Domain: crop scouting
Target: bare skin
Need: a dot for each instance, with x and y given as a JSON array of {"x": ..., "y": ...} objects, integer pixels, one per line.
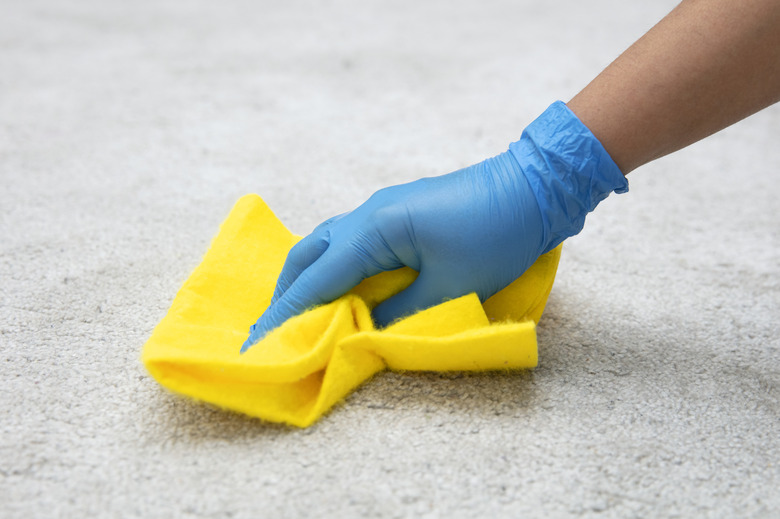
[{"x": 705, "y": 66}]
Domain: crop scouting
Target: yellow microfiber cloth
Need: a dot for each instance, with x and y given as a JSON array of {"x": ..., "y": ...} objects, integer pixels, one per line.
[{"x": 300, "y": 370}]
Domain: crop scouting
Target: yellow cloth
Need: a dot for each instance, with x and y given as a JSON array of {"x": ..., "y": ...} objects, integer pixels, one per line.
[{"x": 300, "y": 370}]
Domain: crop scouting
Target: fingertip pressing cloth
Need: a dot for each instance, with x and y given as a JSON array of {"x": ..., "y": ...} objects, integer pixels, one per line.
[{"x": 300, "y": 370}]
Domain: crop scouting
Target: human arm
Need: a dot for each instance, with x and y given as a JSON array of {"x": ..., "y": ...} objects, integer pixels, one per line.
[
  {"x": 705, "y": 66},
  {"x": 478, "y": 229}
]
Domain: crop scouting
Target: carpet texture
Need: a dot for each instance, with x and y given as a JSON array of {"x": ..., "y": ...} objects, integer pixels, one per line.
[{"x": 129, "y": 129}]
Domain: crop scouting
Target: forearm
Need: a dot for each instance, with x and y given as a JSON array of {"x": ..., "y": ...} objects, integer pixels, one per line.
[{"x": 705, "y": 66}]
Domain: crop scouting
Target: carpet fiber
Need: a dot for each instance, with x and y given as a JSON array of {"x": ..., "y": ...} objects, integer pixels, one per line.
[{"x": 129, "y": 129}]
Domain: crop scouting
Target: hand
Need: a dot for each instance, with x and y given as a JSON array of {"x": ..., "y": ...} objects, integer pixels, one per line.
[{"x": 474, "y": 230}]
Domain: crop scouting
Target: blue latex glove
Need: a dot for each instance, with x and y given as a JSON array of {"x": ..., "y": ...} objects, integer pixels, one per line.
[{"x": 474, "y": 230}]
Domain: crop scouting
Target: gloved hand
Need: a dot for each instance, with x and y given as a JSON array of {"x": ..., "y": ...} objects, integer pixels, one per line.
[{"x": 474, "y": 230}]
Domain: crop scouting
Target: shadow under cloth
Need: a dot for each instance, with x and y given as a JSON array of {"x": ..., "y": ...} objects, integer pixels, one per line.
[{"x": 300, "y": 370}]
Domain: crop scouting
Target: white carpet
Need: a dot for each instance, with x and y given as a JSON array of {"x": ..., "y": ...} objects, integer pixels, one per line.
[{"x": 128, "y": 130}]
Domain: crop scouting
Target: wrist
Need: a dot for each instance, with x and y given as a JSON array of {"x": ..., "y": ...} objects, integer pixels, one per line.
[{"x": 568, "y": 170}]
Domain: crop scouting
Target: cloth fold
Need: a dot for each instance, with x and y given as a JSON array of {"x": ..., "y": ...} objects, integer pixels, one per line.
[{"x": 300, "y": 370}]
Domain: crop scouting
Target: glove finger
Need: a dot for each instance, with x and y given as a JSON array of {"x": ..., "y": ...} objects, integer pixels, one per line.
[
  {"x": 331, "y": 220},
  {"x": 332, "y": 275},
  {"x": 424, "y": 292},
  {"x": 303, "y": 254}
]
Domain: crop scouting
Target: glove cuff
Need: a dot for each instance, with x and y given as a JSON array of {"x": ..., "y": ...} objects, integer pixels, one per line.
[{"x": 568, "y": 169}]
